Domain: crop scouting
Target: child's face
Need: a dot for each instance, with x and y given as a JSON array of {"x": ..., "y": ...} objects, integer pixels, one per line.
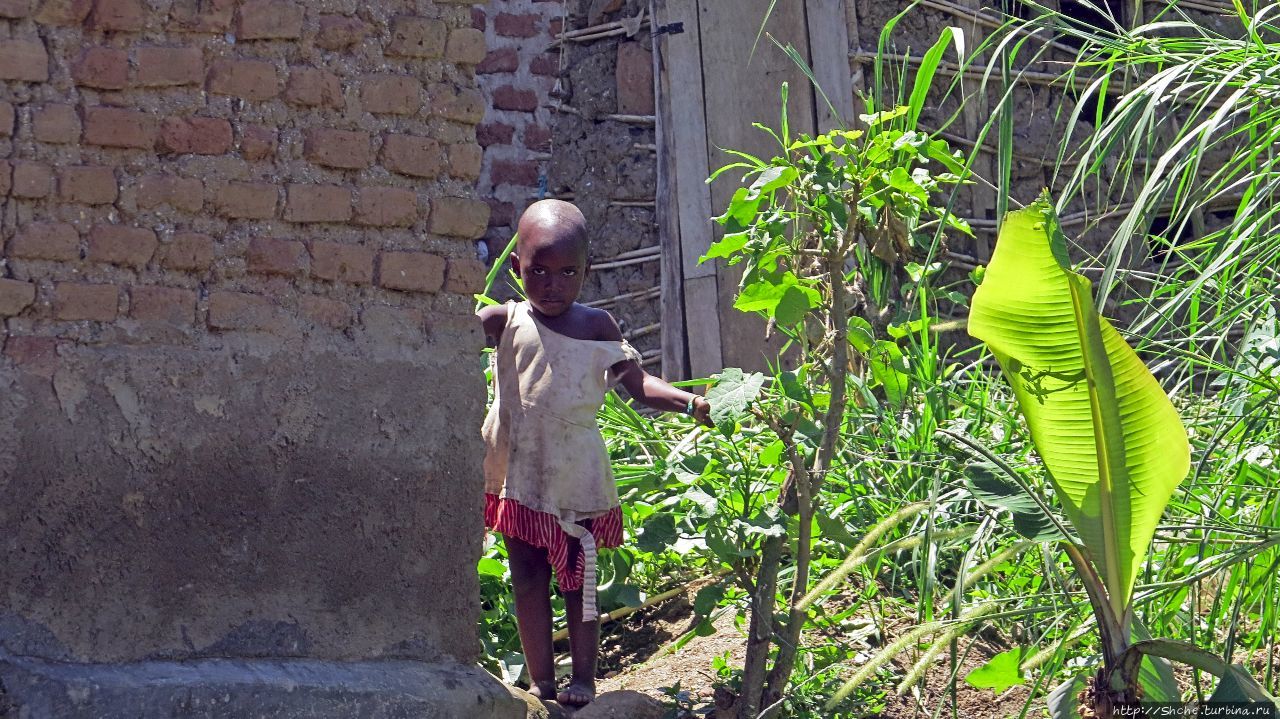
[{"x": 552, "y": 269}]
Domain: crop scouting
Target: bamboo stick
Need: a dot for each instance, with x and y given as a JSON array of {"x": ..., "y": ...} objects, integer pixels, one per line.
[
  {"x": 642, "y": 331},
  {"x": 978, "y": 72},
  {"x": 648, "y": 294}
]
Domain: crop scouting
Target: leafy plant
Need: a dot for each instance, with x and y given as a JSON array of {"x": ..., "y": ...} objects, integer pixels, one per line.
[
  {"x": 1113, "y": 446},
  {"x": 825, "y": 231}
]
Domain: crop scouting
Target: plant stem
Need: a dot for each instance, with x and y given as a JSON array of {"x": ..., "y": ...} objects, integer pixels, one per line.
[{"x": 760, "y": 635}]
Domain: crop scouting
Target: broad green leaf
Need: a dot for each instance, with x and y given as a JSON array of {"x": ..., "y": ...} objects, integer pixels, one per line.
[
  {"x": 1063, "y": 701},
  {"x": 861, "y": 336},
  {"x": 733, "y": 393},
  {"x": 1000, "y": 673},
  {"x": 792, "y": 306},
  {"x": 491, "y": 567},
  {"x": 726, "y": 246},
  {"x": 886, "y": 360},
  {"x": 657, "y": 533},
  {"x": 832, "y": 526},
  {"x": 704, "y": 503},
  {"x": 1111, "y": 440},
  {"x": 772, "y": 179},
  {"x": 707, "y": 598},
  {"x": 989, "y": 485}
]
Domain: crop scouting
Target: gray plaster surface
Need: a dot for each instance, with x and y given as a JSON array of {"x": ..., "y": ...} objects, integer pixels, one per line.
[{"x": 251, "y": 689}]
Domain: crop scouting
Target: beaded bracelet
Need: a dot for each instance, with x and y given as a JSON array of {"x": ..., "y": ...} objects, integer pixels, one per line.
[{"x": 688, "y": 408}]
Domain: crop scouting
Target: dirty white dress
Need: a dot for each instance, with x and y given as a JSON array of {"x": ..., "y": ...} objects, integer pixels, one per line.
[{"x": 547, "y": 474}]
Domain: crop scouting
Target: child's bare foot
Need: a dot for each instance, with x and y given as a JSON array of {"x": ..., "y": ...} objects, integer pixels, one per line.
[
  {"x": 543, "y": 690},
  {"x": 577, "y": 694}
]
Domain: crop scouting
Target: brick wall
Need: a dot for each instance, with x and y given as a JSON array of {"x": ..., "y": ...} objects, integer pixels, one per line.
[
  {"x": 553, "y": 129},
  {"x": 517, "y": 75},
  {"x": 236, "y": 259},
  {"x": 217, "y": 151}
]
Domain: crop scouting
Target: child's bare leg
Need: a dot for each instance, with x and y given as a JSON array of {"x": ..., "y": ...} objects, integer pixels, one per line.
[
  {"x": 584, "y": 646},
  {"x": 531, "y": 579}
]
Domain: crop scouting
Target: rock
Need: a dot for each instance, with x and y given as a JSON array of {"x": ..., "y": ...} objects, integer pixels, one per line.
[
  {"x": 622, "y": 705},
  {"x": 538, "y": 709}
]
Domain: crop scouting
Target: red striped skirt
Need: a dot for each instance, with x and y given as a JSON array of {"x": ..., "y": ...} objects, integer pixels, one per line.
[{"x": 512, "y": 519}]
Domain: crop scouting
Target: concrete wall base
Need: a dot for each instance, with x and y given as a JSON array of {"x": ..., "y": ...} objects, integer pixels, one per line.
[{"x": 259, "y": 688}]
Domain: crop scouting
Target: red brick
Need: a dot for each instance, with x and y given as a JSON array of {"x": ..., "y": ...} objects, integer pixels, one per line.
[
  {"x": 465, "y": 161},
  {"x": 494, "y": 133},
  {"x": 313, "y": 87},
  {"x": 195, "y": 135},
  {"x": 387, "y": 207},
  {"x": 338, "y": 32},
  {"x": 63, "y": 12},
  {"x": 180, "y": 193},
  {"x": 634, "y": 75},
  {"x": 167, "y": 66},
  {"x": 257, "y": 142},
  {"x": 417, "y": 37},
  {"x": 24, "y": 60},
  {"x": 459, "y": 217},
  {"x": 511, "y": 98},
  {"x": 466, "y": 106},
  {"x": 105, "y": 68},
  {"x": 6, "y": 178},
  {"x": 509, "y": 25},
  {"x": 16, "y": 9},
  {"x": 338, "y": 262},
  {"x": 31, "y": 180},
  {"x": 277, "y": 257},
  {"x": 546, "y": 65},
  {"x": 318, "y": 203},
  {"x": 521, "y": 173},
  {"x": 465, "y": 47},
  {"x": 391, "y": 94},
  {"x": 187, "y": 251},
  {"x": 7, "y": 116},
  {"x": 267, "y": 19},
  {"x": 338, "y": 148},
  {"x": 322, "y": 311},
  {"x": 411, "y": 271},
  {"x": 501, "y": 214},
  {"x": 249, "y": 79},
  {"x": 554, "y": 27},
  {"x": 15, "y": 296},
  {"x": 90, "y": 185},
  {"x": 504, "y": 59},
  {"x": 202, "y": 15},
  {"x": 412, "y": 155},
  {"x": 537, "y": 137},
  {"x": 169, "y": 305},
  {"x": 78, "y": 301},
  {"x": 56, "y": 123},
  {"x": 478, "y": 18},
  {"x": 127, "y": 15},
  {"x": 247, "y": 200},
  {"x": 35, "y": 355},
  {"x": 465, "y": 276},
  {"x": 113, "y": 127},
  {"x": 122, "y": 245},
  {"x": 242, "y": 311},
  {"x": 46, "y": 241}
]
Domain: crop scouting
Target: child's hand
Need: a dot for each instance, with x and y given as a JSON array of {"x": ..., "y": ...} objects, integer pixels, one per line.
[{"x": 702, "y": 411}]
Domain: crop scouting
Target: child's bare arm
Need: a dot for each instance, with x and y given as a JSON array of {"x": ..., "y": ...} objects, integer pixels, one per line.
[
  {"x": 652, "y": 391},
  {"x": 494, "y": 319}
]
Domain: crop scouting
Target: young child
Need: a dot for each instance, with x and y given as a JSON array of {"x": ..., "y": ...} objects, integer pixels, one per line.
[{"x": 549, "y": 490}]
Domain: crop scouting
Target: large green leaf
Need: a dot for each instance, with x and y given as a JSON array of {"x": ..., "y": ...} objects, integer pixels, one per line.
[{"x": 1110, "y": 438}]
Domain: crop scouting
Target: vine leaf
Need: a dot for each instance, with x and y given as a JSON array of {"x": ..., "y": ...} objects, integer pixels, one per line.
[{"x": 733, "y": 393}]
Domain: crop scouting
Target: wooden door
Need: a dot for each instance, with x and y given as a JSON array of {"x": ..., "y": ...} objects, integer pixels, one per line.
[{"x": 715, "y": 78}]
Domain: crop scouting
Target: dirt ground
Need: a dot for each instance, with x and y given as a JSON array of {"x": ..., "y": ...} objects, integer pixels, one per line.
[{"x": 635, "y": 656}]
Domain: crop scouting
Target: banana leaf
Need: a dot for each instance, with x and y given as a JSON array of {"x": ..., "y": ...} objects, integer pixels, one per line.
[{"x": 1111, "y": 440}]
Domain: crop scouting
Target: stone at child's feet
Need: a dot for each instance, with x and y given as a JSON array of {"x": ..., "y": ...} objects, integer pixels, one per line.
[
  {"x": 622, "y": 705},
  {"x": 537, "y": 708},
  {"x": 577, "y": 694}
]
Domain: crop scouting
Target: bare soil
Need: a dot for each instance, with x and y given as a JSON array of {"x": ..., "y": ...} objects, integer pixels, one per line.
[{"x": 636, "y": 655}]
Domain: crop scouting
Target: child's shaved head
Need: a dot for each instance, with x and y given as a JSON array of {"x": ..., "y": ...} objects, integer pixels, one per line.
[{"x": 552, "y": 222}]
